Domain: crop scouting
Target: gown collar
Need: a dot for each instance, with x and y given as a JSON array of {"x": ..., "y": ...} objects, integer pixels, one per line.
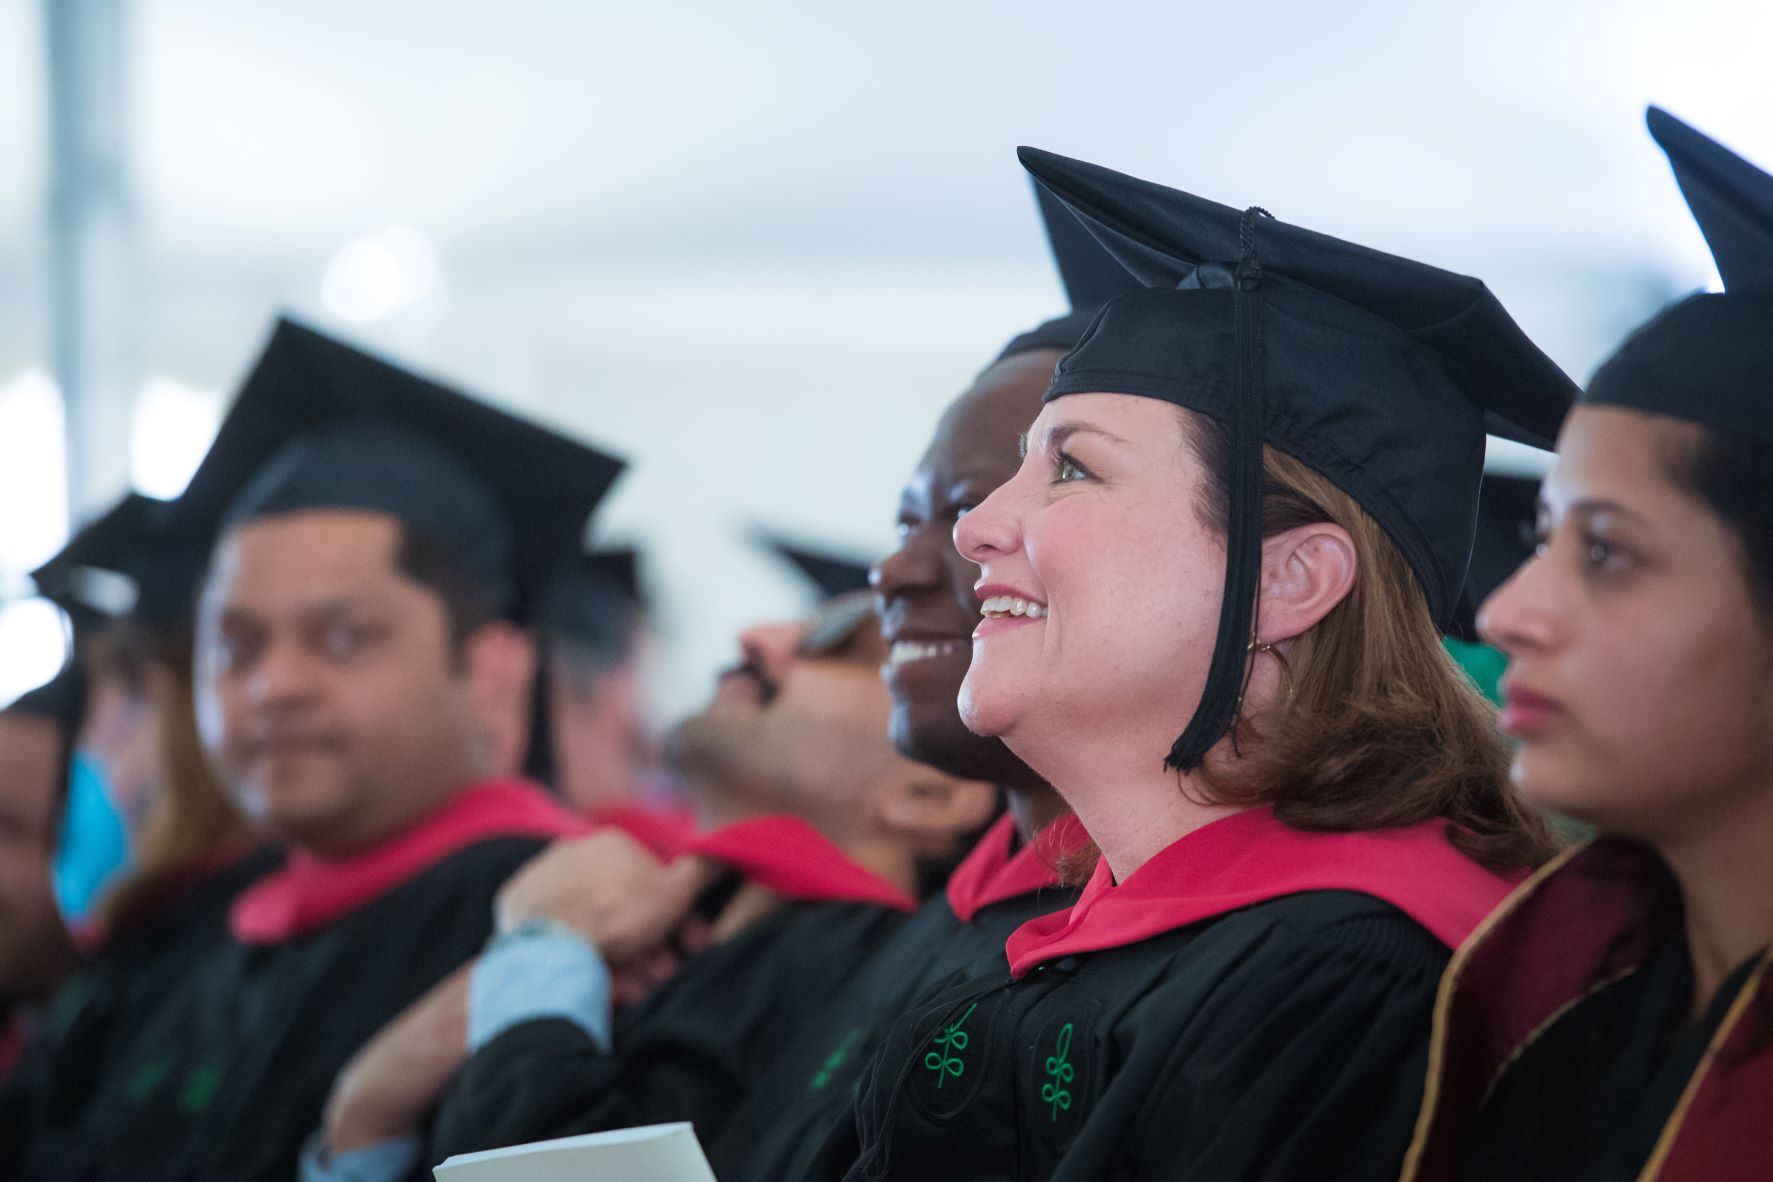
[
  {"x": 310, "y": 892},
  {"x": 1592, "y": 915},
  {"x": 787, "y": 855},
  {"x": 1251, "y": 857},
  {"x": 994, "y": 872}
]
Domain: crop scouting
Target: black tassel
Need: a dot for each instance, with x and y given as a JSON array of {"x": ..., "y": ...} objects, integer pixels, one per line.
[{"x": 1228, "y": 671}]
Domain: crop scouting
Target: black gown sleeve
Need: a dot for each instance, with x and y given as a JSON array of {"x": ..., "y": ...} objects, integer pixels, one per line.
[
  {"x": 1304, "y": 1061},
  {"x": 691, "y": 1052},
  {"x": 532, "y": 1082}
]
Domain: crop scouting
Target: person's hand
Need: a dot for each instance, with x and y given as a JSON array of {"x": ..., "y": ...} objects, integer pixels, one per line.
[
  {"x": 387, "y": 1087},
  {"x": 614, "y": 892}
]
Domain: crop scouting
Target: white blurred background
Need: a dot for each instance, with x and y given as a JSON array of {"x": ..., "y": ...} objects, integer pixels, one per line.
[{"x": 756, "y": 246}]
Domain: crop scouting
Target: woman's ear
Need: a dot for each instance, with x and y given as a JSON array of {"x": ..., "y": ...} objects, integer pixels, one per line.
[
  {"x": 500, "y": 661},
  {"x": 1306, "y": 571}
]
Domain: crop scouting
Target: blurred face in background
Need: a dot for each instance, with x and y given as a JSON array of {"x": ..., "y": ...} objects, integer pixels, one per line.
[
  {"x": 598, "y": 726},
  {"x": 928, "y": 608},
  {"x": 800, "y": 726},
  {"x": 119, "y": 736},
  {"x": 804, "y": 700},
  {"x": 330, "y": 696},
  {"x": 1640, "y": 679}
]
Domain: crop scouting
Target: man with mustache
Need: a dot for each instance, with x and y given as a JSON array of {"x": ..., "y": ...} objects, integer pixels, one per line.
[{"x": 814, "y": 836}]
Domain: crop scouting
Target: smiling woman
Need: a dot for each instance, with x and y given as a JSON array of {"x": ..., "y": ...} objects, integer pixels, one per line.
[{"x": 1246, "y": 505}]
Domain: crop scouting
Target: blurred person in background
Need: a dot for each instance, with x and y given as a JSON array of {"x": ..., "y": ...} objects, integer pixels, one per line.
[
  {"x": 357, "y": 651},
  {"x": 36, "y": 953},
  {"x": 38, "y": 736},
  {"x": 591, "y": 740},
  {"x": 151, "y": 853},
  {"x": 1614, "y": 1020}
]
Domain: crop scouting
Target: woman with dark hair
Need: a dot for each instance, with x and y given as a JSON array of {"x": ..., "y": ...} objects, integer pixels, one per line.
[
  {"x": 1247, "y": 503},
  {"x": 1615, "y": 1019}
]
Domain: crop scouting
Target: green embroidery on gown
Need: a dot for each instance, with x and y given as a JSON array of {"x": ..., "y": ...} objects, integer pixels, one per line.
[
  {"x": 945, "y": 1060},
  {"x": 1059, "y": 1073}
]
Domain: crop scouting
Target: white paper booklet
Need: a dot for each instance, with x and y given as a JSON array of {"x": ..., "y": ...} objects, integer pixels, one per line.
[{"x": 652, "y": 1153}]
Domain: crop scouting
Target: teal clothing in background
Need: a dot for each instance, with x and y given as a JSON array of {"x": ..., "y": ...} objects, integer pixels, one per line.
[
  {"x": 94, "y": 847},
  {"x": 1483, "y": 664}
]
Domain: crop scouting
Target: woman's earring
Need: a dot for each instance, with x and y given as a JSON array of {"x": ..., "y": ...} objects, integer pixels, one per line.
[{"x": 1259, "y": 648}]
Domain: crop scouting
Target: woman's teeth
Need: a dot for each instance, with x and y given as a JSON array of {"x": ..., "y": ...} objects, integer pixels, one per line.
[
  {"x": 922, "y": 650},
  {"x": 1000, "y": 607}
]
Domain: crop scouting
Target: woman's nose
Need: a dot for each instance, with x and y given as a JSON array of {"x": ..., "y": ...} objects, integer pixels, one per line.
[
  {"x": 991, "y": 530},
  {"x": 1522, "y": 613}
]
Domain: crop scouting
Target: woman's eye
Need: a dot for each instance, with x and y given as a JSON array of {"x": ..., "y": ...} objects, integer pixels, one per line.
[
  {"x": 1069, "y": 470},
  {"x": 1605, "y": 557}
]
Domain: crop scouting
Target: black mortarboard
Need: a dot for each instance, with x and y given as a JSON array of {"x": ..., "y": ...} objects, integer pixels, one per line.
[
  {"x": 321, "y": 425},
  {"x": 1507, "y": 510},
  {"x": 135, "y": 540},
  {"x": 1090, "y": 276},
  {"x": 833, "y": 574},
  {"x": 1378, "y": 372},
  {"x": 119, "y": 543},
  {"x": 588, "y": 617},
  {"x": 1709, "y": 358},
  {"x": 594, "y": 601}
]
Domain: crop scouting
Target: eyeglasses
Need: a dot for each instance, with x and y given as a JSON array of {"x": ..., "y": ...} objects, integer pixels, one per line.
[{"x": 835, "y": 624}]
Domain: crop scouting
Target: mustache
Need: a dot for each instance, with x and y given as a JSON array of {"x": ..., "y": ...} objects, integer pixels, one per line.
[{"x": 767, "y": 686}]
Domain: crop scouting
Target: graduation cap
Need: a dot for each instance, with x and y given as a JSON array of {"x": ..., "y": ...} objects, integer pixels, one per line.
[
  {"x": 1091, "y": 278},
  {"x": 1378, "y": 372},
  {"x": 594, "y": 601},
  {"x": 832, "y": 574},
  {"x": 1709, "y": 358},
  {"x": 117, "y": 545},
  {"x": 135, "y": 543},
  {"x": 321, "y": 425},
  {"x": 588, "y": 615},
  {"x": 1508, "y": 509}
]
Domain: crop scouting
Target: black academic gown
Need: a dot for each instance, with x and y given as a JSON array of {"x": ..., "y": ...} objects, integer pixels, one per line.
[
  {"x": 1253, "y": 1003},
  {"x": 47, "y": 1114},
  {"x": 1587, "y": 1100},
  {"x": 230, "y": 1076},
  {"x": 691, "y": 1052},
  {"x": 1286, "y": 1041},
  {"x": 231, "y": 1082},
  {"x": 806, "y": 1096}
]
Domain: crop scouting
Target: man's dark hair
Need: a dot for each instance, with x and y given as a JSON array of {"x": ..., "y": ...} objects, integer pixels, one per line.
[
  {"x": 587, "y": 627},
  {"x": 468, "y": 602}
]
